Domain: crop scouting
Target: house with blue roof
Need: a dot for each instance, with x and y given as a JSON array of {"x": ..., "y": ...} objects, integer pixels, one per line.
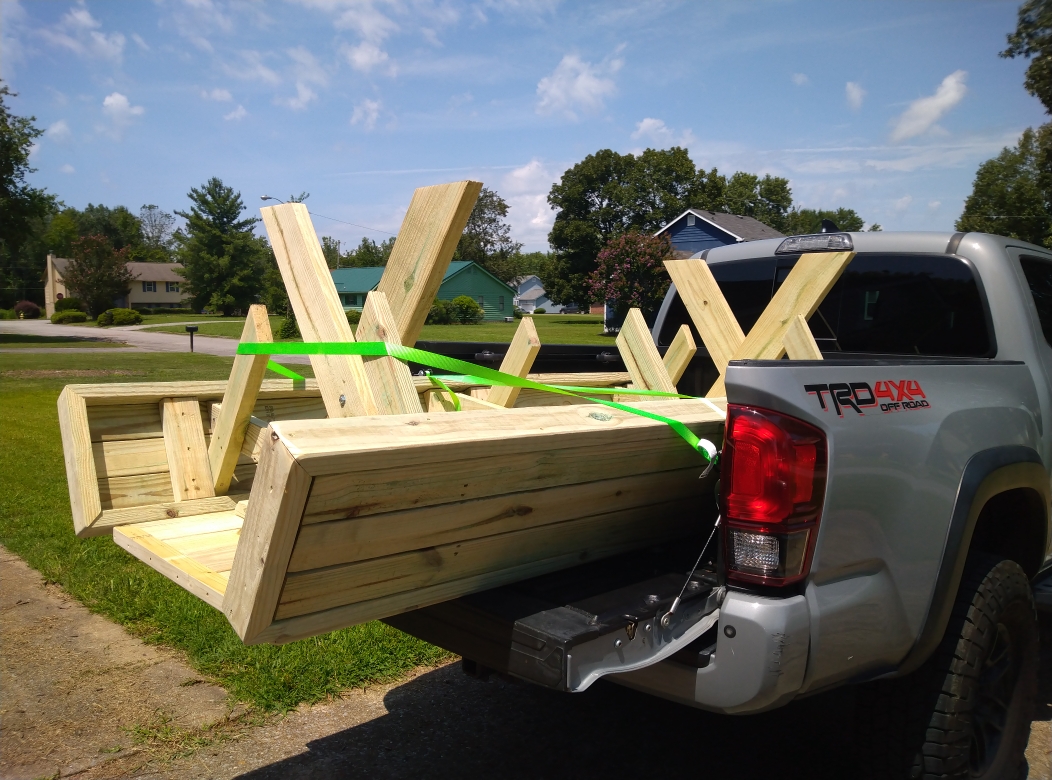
[
  {"x": 462, "y": 278},
  {"x": 696, "y": 230}
]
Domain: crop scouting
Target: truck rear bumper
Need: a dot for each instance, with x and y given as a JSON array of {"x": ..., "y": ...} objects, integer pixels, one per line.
[{"x": 759, "y": 662}]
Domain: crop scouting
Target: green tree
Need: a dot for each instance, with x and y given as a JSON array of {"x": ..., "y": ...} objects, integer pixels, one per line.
[
  {"x": 97, "y": 273},
  {"x": 487, "y": 240},
  {"x": 330, "y": 247},
  {"x": 1007, "y": 196},
  {"x": 803, "y": 221},
  {"x": 1033, "y": 39},
  {"x": 122, "y": 228},
  {"x": 23, "y": 209},
  {"x": 224, "y": 262},
  {"x": 369, "y": 254},
  {"x": 768, "y": 200},
  {"x": 630, "y": 270}
]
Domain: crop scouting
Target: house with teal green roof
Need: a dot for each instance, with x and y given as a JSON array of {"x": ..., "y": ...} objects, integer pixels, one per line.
[{"x": 462, "y": 278}]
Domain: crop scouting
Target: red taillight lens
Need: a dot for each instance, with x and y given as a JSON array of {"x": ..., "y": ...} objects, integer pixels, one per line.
[{"x": 773, "y": 482}]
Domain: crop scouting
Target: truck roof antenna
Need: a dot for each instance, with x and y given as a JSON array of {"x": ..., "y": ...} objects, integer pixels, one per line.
[{"x": 829, "y": 226}]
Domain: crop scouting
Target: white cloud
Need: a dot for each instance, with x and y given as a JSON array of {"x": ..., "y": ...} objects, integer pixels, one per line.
[
  {"x": 902, "y": 203},
  {"x": 217, "y": 94},
  {"x": 800, "y": 79},
  {"x": 365, "y": 56},
  {"x": 307, "y": 71},
  {"x": 67, "y": 168},
  {"x": 78, "y": 31},
  {"x": 140, "y": 42},
  {"x": 366, "y": 113},
  {"x": 525, "y": 190},
  {"x": 120, "y": 112},
  {"x": 304, "y": 96},
  {"x": 253, "y": 69},
  {"x": 924, "y": 112},
  {"x": 933, "y": 205},
  {"x": 855, "y": 95},
  {"x": 576, "y": 85},
  {"x": 59, "y": 131},
  {"x": 13, "y": 26},
  {"x": 661, "y": 134},
  {"x": 237, "y": 114}
]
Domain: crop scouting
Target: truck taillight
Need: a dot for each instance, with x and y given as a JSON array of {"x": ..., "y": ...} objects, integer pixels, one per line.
[{"x": 773, "y": 482}]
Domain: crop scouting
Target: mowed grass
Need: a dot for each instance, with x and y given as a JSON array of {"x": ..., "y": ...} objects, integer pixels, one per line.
[
  {"x": 160, "y": 319},
  {"x": 35, "y": 523},
  {"x": 16, "y": 340},
  {"x": 551, "y": 328}
]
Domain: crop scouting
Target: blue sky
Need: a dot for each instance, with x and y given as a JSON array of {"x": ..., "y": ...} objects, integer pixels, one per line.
[{"x": 887, "y": 108}]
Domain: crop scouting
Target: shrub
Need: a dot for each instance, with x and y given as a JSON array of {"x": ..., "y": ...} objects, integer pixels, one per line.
[
  {"x": 540, "y": 310},
  {"x": 441, "y": 314},
  {"x": 118, "y": 317},
  {"x": 69, "y": 304},
  {"x": 7, "y": 314},
  {"x": 519, "y": 313},
  {"x": 289, "y": 329},
  {"x": 353, "y": 317},
  {"x": 466, "y": 310},
  {"x": 68, "y": 316},
  {"x": 26, "y": 310}
]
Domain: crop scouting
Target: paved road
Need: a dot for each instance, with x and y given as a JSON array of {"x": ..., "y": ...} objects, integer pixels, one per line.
[{"x": 145, "y": 340}]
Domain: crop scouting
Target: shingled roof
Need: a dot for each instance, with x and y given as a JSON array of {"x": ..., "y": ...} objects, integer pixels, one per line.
[{"x": 741, "y": 228}]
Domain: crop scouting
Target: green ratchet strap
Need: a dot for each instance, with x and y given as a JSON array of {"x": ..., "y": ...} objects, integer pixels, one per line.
[{"x": 475, "y": 374}]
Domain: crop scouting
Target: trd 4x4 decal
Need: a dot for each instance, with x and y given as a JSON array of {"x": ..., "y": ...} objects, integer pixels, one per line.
[{"x": 888, "y": 396}]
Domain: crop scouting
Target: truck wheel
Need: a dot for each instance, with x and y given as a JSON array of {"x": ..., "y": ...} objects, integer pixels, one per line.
[{"x": 966, "y": 712}]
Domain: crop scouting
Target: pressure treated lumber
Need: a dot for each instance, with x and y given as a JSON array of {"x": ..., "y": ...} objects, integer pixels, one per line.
[
  {"x": 799, "y": 343},
  {"x": 111, "y": 518},
  {"x": 246, "y": 376},
  {"x": 81, "y": 476},
  {"x": 803, "y": 290},
  {"x": 518, "y": 361},
  {"x": 123, "y": 394},
  {"x": 641, "y": 356},
  {"x": 184, "y": 442},
  {"x": 194, "y": 552},
  {"x": 374, "y": 536},
  {"x": 389, "y": 378},
  {"x": 438, "y": 400},
  {"x": 291, "y": 629},
  {"x": 420, "y": 257},
  {"x": 708, "y": 309},
  {"x": 679, "y": 354},
  {"x": 319, "y": 313},
  {"x": 279, "y": 493}
]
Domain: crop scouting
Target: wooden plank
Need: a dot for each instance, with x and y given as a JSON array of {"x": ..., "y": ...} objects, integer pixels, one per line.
[
  {"x": 125, "y": 393},
  {"x": 135, "y": 491},
  {"x": 81, "y": 476},
  {"x": 374, "y": 536},
  {"x": 708, "y": 309},
  {"x": 184, "y": 441},
  {"x": 518, "y": 361},
  {"x": 246, "y": 376},
  {"x": 799, "y": 343},
  {"x": 121, "y": 423},
  {"x": 420, "y": 257},
  {"x": 290, "y": 409},
  {"x": 279, "y": 494},
  {"x": 334, "y": 586},
  {"x": 528, "y": 398},
  {"x": 291, "y": 629},
  {"x": 439, "y": 401},
  {"x": 319, "y": 313},
  {"x": 129, "y": 458},
  {"x": 390, "y": 381},
  {"x": 804, "y": 288},
  {"x": 641, "y": 355},
  {"x": 203, "y": 582},
  {"x": 111, "y": 518},
  {"x": 679, "y": 354}
]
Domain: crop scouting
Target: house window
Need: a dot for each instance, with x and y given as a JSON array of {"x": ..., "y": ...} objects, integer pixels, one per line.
[
  {"x": 171, "y": 287},
  {"x": 480, "y": 300},
  {"x": 149, "y": 286},
  {"x": 690, "y": 220},
  {"x": 500, "y": 302}
]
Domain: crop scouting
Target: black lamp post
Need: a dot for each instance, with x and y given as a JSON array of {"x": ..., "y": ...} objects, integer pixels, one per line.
[{"x": 191, "y": 329}]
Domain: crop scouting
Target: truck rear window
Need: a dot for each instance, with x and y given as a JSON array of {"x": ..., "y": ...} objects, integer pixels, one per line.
[{"x": 883, "y": 304}]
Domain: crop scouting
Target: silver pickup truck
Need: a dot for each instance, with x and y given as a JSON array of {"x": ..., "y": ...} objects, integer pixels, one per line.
[{"x": 879, "y": 518}]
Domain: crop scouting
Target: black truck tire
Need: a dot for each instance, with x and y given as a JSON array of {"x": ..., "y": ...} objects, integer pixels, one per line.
[{"x": 966, "y": 712}]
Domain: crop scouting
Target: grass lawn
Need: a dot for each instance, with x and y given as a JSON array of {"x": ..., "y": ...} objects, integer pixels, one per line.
[
  {"x": 35, "y": 523},
  {"x": 158, "y": 319},
  {"x": 552, "y": 329},
  {"x": 14, "y": 340},
  {"x": 227, "y": 327}
]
